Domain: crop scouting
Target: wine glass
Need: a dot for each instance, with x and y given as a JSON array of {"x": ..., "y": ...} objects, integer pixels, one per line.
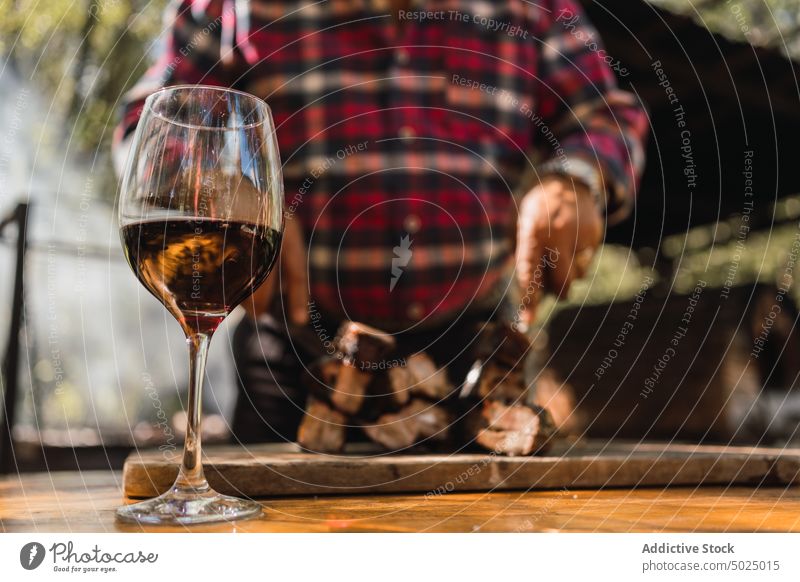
[{"x": 201, "y": 217}]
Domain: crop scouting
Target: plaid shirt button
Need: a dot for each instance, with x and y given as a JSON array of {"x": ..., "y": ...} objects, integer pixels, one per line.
[
  {"x": 415, "y": 311},
  {"x": 407, "y": 131},
  {"x": 402, "y": 57},
  {"x": 412, "y": 223}
]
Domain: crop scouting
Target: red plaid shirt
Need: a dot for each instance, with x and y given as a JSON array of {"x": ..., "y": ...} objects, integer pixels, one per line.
[{"x": 403, "y": 145}]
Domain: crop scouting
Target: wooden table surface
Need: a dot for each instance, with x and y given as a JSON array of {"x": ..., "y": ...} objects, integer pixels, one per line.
[{"x": 85, "y": 502}]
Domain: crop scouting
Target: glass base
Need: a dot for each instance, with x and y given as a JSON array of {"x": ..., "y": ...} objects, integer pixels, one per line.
[{"x": 177, "y": 507}]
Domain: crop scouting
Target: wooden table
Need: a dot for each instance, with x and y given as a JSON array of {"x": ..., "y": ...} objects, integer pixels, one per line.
[{"x": 85, "y": 502}]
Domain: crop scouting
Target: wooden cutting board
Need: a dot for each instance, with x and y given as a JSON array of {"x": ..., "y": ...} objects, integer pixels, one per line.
[{"x": 270, "y": 470}]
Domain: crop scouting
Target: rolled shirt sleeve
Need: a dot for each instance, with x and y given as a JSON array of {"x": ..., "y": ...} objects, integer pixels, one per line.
[
  {"x": 191, "y": 50},
  {"x": 594, "y": 121}
]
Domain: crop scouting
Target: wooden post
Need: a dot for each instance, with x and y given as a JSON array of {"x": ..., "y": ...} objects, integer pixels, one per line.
[{"x": 10, "y": 366}]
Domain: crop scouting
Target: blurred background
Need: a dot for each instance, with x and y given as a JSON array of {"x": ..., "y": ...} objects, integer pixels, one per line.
[{"x": 98, "y": 364}]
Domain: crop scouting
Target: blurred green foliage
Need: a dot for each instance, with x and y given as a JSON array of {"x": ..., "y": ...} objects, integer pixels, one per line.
[
  {"x": 710, "y": 252},
  {"x": 83, "y": 55},
  {"x": 773, "y": 23}
]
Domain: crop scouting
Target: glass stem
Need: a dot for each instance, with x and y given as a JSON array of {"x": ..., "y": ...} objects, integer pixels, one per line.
[{"x": 191, "y": 477}]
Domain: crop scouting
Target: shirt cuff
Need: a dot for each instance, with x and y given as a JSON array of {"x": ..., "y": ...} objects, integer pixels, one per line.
[{"x": 579, "y": 170}]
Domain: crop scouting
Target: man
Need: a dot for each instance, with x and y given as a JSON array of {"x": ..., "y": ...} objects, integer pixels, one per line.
[{"x": 413, "y": 135}]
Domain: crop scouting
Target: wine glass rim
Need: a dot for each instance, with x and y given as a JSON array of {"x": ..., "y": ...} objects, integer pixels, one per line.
[{"x": 148, "y": 106}]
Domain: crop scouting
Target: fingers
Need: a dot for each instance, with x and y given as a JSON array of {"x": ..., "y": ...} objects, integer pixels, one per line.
[
  {"x": 564, "y": 236},
  {"x": 510, "y": 430},
  {"x": 516, "y": 417},
  {"x": 583, "y": 259},
  {"x": 507, "y": 442},
  {"x": 294, "y": 272},
  {"x": 512, "y": 443},
  {"x": 578, "y": 240}
]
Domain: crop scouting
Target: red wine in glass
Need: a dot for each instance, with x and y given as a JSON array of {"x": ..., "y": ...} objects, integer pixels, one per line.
[
  {"x": 201, "y": 216},
  {"x": 200, "y": 269}
]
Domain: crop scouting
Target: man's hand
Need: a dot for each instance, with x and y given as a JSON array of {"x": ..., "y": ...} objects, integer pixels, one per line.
[
  {"x": 558, "y": 229},
  {"x": 291, "y": 271},
  {"x": 511, "y": 429}
]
